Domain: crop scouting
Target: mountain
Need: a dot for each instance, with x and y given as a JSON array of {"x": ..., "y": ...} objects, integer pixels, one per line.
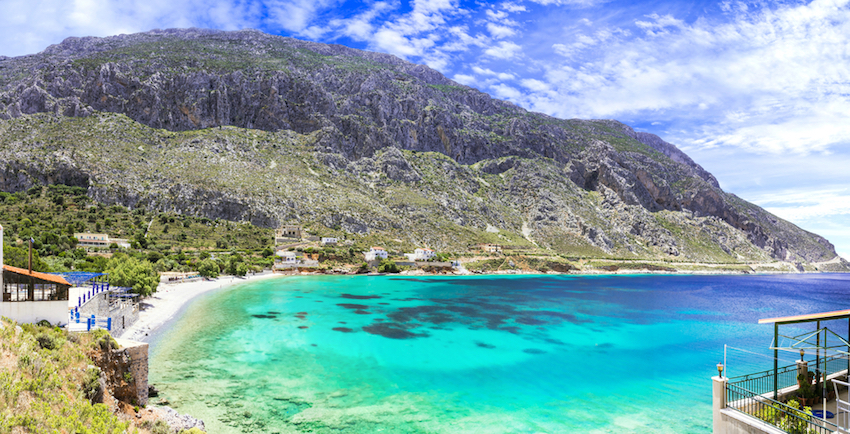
[{"x": 254, "y": 127}]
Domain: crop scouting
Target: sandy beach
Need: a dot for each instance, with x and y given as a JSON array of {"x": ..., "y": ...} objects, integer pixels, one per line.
[{"x": 166, "y": 302}]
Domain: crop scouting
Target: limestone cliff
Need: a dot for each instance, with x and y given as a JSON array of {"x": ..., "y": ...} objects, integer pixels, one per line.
[{"x": 248, "y": 126}]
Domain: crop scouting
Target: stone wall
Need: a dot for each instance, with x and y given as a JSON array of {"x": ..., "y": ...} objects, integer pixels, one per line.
[
  {"x": 136, "y": 356},
  {"x": 123, "y": 313}
]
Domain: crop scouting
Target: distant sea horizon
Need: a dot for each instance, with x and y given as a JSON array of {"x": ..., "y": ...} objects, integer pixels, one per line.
[{"x": 411, "y": 354}]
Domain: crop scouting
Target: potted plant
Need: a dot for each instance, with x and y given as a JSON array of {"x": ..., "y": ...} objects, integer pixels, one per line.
[{"x": 806, "y": 394}]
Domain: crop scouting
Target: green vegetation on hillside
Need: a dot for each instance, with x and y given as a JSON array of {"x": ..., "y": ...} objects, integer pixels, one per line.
[
  {"x": 51, "y": 215},
  {"x": 51, "y": 383}
]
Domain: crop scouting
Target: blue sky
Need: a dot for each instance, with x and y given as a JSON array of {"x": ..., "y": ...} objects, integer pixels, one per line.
[{"x": 756, "y": 92}]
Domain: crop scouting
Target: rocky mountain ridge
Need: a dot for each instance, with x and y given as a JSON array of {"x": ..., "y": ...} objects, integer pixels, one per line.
[{"x": 249, "y": 126}]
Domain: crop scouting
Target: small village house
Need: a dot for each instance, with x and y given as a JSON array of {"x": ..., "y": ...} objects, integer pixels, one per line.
[
  {"x": 421, "y": 254},
  {"x": 287, "y": 233},
  {"x": 376, "y": 253},
  {"x": 329, "y": 241},
  {"x": 490, "y": 248},
  {"x": 287, "y": 257}
]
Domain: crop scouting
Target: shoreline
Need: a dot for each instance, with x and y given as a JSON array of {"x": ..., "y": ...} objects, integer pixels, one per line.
[{"x": 170, "y": 299}]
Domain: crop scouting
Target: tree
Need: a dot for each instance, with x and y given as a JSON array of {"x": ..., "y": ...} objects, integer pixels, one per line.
[
  {"x": 208, "y": 268},
  {"x": 130, "y": 272},
  {"x": 19, "y": 257},
  {"x": 388, "y": 266},
  {"x": 241, "y": 269},
  {"x": 141, "y": 240}
]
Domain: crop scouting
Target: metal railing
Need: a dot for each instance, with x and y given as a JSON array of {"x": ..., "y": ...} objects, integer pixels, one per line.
[
  {"x": 786, "y": 376},
  {"x": 787, "y": 418}
]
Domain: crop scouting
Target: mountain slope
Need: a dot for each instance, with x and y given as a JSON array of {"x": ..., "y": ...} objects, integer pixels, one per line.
[{"x": 248, "y": 126}]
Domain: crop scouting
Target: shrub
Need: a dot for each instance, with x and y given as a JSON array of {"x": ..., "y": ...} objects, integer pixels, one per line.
[
  {"x": 103, "y": 340},
  {"x": 49, "y": 341},
  {"x": 160, "y": 427},
  {"x": 388, "y": 266},
  {"x": 91, "y": 385}
]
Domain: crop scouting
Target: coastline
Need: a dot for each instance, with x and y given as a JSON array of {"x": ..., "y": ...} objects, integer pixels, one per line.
[{"x": 171, "y": 298}]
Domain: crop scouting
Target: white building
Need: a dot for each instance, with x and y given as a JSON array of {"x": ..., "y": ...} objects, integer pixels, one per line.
[
  {"x": 30, "y": 296},
  {"x": 101, "y": 241},
  {"x": 421, "y": 255},
  {"x": 287, "y": 257},
  {"x": 329, "y": 241},
  {"x": 376, "y": 253}
]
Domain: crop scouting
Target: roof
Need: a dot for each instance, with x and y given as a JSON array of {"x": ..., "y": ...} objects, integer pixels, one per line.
[
  {"x": 78, "y": 278},
  {"x": 43, "y": 276},
  {"x": 825, "y": 316},
  {"x": 377, "y": 248}
]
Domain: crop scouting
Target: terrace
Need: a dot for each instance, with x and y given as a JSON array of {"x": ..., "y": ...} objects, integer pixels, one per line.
[{"x": 792, "y": 398}]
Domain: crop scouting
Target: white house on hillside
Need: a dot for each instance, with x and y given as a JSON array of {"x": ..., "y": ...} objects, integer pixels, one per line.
[
  {"x": 287, "y": 257},
  {"x": 376, "y": 253},
  {"x": 421, "y": 255},
  {"x": 329, "y": 241}
]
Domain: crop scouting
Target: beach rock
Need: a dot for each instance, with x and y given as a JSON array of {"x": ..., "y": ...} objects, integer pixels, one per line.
[{"x": 177, "y": 421}]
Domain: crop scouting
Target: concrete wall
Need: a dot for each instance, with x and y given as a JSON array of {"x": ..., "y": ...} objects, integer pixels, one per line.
[
  {"x": 735, "y": 422},
  {"x": 35, "y": 311}
]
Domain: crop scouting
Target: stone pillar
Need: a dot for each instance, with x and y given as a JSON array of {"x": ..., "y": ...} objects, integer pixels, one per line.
[
  {"x": 802, "y": 369},
  {"x": 718, "y": 402}
]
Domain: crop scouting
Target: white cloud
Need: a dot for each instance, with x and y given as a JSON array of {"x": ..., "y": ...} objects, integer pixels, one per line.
[
  {"x": 295, "y": 15},
  {"x": 768, "y": 81},
  {"x": 486, "y": 71},
  {"x": 535, "y": 85},
  {"x": 468, "y": 80},
  {"x": 29, "y": 27},
  {"x": 500, "y": 32},
  {"x": 507, "y": 92},
  {"x": 578, "y": 3},
  {"x": 512, "y": 7},
  {"x": 503, "y": 50}
]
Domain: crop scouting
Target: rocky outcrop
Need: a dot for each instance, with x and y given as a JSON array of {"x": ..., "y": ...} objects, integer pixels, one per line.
[{"x": 275, "y": 128}]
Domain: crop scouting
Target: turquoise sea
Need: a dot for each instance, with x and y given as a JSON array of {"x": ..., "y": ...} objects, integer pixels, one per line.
[{"x": 477, "y": 354}]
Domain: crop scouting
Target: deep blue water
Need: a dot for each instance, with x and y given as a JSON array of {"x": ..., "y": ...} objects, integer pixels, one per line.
[{"x": 475, "y": 354}]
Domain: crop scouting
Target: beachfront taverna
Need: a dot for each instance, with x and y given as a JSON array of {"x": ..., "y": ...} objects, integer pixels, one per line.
[{"x": 30, "y": 296}]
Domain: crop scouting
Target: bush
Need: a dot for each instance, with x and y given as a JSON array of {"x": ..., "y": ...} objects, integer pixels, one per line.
[
  {"x": 160, "y": 427},
  {"x": 103, "y": 340},
  {"x": 91, "y": 385},
  {"x": 49, "y": 342},
  {"x": 388, "y": 266}
]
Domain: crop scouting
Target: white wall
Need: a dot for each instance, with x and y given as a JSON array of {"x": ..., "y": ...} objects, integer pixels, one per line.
[{"x": 35, "y": 311}]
